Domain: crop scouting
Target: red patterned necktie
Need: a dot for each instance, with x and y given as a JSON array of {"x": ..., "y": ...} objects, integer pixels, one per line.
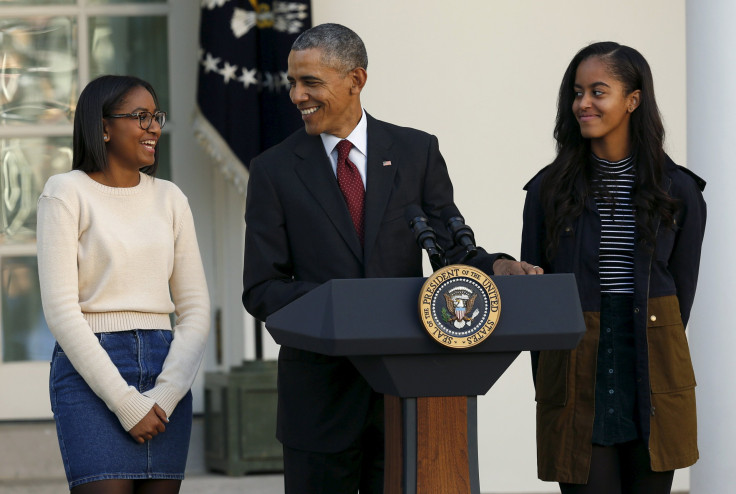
[{"x": 351, "y": 185}]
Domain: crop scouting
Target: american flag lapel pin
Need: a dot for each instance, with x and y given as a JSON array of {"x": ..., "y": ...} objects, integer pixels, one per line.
[{"x": 387, "y": 163}]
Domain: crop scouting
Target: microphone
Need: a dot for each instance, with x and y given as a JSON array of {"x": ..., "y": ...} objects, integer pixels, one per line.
[
  {"x": 461, "y": 233},
  {"x": 424, "y": 234}
]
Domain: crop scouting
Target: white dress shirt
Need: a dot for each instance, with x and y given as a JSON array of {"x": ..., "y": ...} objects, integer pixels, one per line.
[{"x": 358, "y": 153}]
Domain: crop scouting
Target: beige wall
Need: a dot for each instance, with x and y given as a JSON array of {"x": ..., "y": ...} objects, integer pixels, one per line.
[{"x": 483, "y": 76}]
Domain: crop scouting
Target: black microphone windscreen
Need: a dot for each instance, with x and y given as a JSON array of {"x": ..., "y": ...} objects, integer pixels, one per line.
[
  {"x": 413, "y": 211},
  {"x": 449, "y": 212}
]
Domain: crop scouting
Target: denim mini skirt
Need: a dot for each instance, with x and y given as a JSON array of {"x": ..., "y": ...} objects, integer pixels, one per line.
[{"x": 94, "y": 446}]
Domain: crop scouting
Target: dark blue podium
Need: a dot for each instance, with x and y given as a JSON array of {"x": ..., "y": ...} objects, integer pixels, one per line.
[{"x": 431, "y": 390}]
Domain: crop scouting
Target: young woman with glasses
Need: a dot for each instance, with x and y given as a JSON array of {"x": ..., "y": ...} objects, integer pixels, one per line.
[
  {"x": 617, "y": 414},
  {"x": 117, "y": 254}
]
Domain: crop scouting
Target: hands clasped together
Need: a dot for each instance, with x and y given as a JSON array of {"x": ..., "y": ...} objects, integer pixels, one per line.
[{"x": 150, "y": 426}]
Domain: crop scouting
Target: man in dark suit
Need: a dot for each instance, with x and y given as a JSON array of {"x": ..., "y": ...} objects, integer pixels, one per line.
[{"x": 319, "y": 208}]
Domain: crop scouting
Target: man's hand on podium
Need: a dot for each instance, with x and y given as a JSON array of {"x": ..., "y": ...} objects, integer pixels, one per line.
[{"x": 507, "y": 266}]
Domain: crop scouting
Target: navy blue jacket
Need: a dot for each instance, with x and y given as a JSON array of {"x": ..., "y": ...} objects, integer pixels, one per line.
[{"x": 664, "y": 289}]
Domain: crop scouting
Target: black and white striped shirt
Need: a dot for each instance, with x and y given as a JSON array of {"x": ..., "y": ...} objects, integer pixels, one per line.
[{"x": 613, "y": 187}]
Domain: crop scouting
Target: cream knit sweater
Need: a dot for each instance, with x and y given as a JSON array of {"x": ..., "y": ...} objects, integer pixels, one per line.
[{"x": 107, "y": 258}]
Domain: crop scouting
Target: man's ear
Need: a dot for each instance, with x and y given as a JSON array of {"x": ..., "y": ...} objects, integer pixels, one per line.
[{"x": 358, "y": 78}]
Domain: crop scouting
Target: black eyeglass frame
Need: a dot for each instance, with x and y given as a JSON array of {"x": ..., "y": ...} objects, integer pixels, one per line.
[{"x": 141, "y": 115}]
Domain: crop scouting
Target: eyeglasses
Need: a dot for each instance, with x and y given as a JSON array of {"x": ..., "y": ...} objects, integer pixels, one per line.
[{"x": 145, "y": 118}]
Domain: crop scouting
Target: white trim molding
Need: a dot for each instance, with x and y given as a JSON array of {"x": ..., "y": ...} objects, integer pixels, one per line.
[{"x": 229, "y": 165}]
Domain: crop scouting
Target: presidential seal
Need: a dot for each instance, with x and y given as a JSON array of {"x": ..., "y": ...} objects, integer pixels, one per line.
[{"x": 459, "y": 306}]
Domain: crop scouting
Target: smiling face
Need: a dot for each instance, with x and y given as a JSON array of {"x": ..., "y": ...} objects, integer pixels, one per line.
[
  {"x": 128, "y": 146},
  {"x": 603, "y": 109},
  {"x": 327, "y": 98}
]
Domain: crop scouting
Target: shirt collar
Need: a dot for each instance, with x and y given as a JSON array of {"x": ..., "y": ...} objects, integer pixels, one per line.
[{"x": 358, "y": 137}]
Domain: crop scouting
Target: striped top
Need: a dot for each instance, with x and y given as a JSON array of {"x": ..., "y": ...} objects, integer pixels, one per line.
[{"x": 613, "y": 185}]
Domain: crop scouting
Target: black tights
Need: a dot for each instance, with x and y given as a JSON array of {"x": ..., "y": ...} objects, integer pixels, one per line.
[
  {"x": 622, "y": 469},
  {"x": 128, "y": 486}
]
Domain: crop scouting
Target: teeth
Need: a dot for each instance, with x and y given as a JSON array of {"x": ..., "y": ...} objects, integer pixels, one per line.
[
  {"x": 309, "y": 111},
  {"x": 149, "y": 143}
]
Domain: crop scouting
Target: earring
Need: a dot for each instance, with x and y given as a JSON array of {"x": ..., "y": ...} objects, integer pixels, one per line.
[{"x": 106, "y": 138}]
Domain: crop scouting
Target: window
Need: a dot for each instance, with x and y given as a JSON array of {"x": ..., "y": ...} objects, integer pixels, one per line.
[{"x": 49, "y": 50}]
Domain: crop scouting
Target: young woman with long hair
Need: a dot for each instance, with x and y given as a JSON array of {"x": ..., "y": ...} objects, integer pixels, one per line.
[{"x": 616, "y": 414}]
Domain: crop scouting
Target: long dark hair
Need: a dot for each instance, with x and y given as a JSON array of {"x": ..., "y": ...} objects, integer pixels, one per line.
[
  {"x": 567, "y": 182},
  {"x": 102, "y": 96}
]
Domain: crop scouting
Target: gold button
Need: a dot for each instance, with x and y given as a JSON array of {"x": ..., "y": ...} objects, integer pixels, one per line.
[{"x": 652, "y": 318}]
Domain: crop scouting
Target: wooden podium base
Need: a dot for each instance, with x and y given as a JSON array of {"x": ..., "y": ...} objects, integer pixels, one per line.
[{"x": 431, "y": 445}]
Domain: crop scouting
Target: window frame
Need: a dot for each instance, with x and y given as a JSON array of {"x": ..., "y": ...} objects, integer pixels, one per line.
[{"x": 20, "y": 378}]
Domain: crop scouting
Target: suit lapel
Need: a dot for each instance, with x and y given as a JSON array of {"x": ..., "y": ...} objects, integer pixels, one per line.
[
  {"x": 316, "y": 173},
  {"x": 380, "y": 178}
]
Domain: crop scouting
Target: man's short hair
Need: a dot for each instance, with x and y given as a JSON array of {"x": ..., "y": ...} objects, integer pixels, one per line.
[{"x": 342, "y": 49}]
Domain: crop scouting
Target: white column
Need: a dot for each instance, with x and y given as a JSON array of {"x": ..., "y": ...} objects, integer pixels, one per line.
[{"x": 711, "y": 134}]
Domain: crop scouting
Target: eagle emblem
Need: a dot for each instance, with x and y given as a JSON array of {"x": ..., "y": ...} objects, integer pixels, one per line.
[
  {"x": 459, "y": 307},
  {"x": 287, "y": 17}
]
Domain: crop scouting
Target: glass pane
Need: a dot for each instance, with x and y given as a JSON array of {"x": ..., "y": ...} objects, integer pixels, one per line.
[
  {"x": 164, "y": 157},
  {"x": 25, "y": 165},
  {"x": 131, "y": 46},
  {"x": 36, "y": 2},
  {"x": 108, "y": 2},
  {"x": 38, "y": 70},
  {"x": 25, "y": 333}
]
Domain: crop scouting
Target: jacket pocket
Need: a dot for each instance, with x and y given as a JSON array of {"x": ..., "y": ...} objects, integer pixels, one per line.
[
  {"x": 670, "y": 367},
  {"x": 394, "y": 214},
  {"x": 564, "y": 254},
  {"x": 551, "y": 382},
  {"x": 665, "y": 243}
]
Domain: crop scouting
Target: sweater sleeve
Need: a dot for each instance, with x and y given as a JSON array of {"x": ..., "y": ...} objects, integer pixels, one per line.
[
  {"x": 191, "y": 299},
  {"x": 58, "y": 243}
]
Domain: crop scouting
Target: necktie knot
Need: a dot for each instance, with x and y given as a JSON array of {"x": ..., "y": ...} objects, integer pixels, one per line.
[{"x": 343, "y": 150}]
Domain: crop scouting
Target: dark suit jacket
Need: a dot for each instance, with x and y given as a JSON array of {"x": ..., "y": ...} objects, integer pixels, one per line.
[{"x": 299, "y": 235}]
